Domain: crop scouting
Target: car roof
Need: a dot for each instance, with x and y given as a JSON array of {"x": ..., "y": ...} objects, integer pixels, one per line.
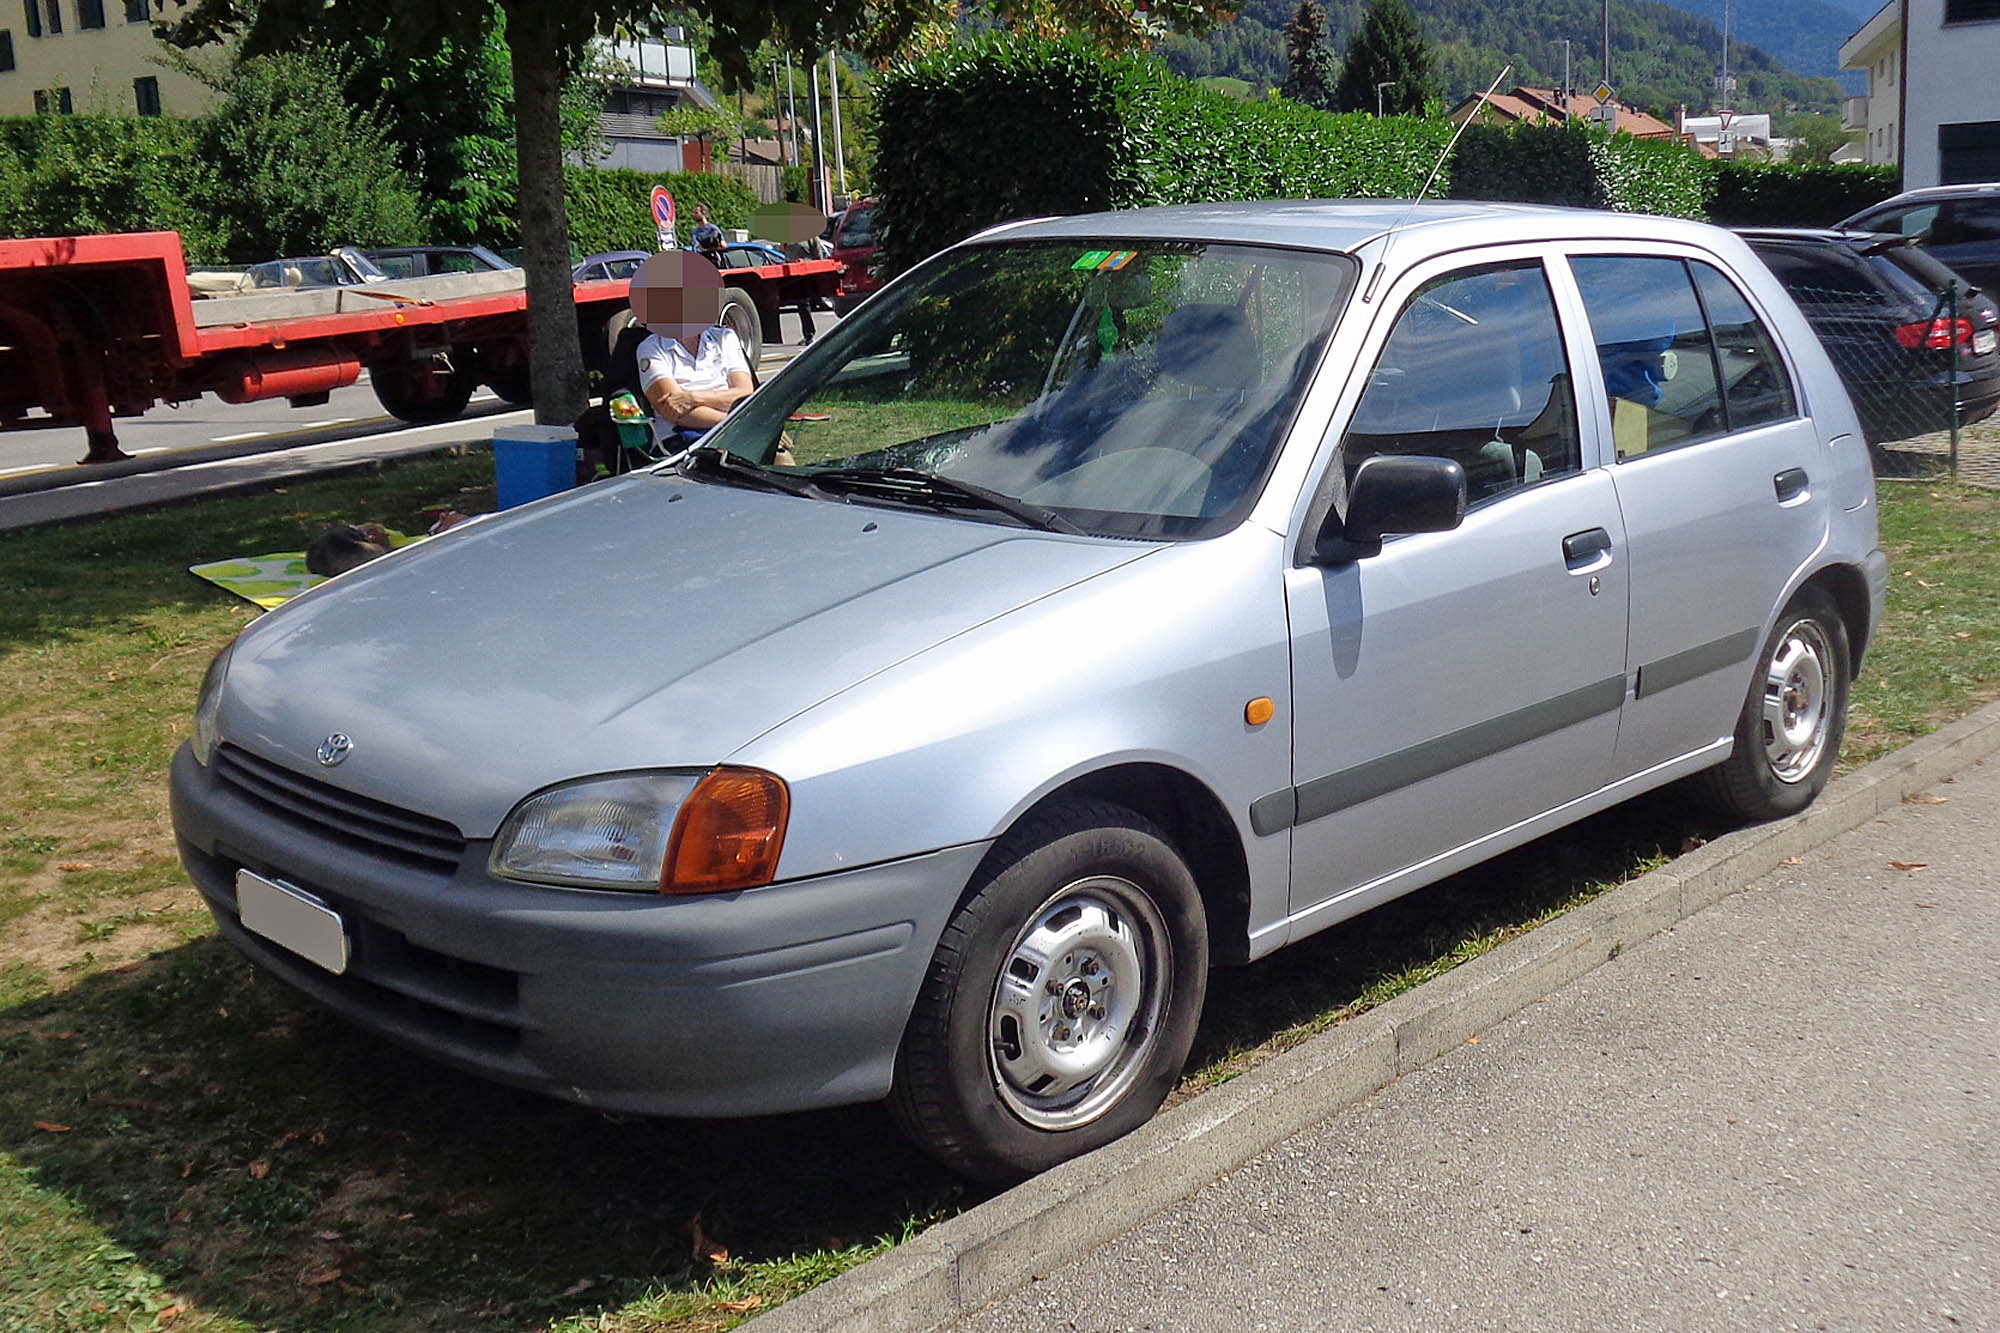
[{"x": 1350, "y": 224}]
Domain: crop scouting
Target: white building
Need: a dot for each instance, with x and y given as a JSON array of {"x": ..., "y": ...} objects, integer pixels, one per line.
[
  {"x": 1931, "y": 100},
  {"x": 59, "y": 56}
]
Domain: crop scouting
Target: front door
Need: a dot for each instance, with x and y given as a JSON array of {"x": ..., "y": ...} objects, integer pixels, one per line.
[{"x": 1461, "y": 682}]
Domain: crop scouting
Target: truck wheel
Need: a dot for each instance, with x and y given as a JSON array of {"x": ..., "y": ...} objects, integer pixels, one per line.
[
  {"x": 512, "y": 386},
  {"x": 1788, "y": 734},
  {"x": 413, "y": 392},
  {"x": 739, "y": 312},
  {"x": 1061, "y": 1001}
]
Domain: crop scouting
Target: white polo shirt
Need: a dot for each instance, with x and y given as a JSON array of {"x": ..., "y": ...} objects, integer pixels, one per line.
[{"x": 718, "y": 352}]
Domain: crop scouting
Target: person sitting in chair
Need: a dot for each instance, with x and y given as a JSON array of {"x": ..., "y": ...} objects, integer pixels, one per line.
[{"x": 692, "y": 369}]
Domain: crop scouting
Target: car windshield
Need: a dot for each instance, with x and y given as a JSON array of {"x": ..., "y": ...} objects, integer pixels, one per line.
[{"x": 1122, "y": 388}]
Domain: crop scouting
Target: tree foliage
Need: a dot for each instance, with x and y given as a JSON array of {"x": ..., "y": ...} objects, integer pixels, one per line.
[
  {"x": 1312, "y": 73},
  {"x": 1388, "y": 49}
]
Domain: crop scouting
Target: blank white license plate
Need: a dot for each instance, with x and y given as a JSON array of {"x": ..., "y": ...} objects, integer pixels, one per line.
[
  {"x": 1985, "y": 341},
  {"x": 292, "y": 918}
]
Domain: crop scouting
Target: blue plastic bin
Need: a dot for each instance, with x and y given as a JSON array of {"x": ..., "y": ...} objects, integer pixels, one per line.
[{"x": 530, "y": 462}]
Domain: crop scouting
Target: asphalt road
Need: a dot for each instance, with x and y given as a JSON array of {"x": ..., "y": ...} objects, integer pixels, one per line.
[
  {"x": 1779, "y": 1114},
  {"x": 208, "y": 446}
]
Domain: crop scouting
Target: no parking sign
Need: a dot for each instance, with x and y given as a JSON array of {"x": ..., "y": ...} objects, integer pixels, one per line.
[{"x": 663, "y": 216}]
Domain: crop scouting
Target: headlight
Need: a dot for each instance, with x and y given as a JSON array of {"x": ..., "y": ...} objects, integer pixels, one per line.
[
  {"x": 208, "y": 705},
  {"x": 672, "y": 832}
]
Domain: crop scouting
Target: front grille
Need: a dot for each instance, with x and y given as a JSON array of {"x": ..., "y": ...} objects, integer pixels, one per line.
[{"x": 373, "y": 827}]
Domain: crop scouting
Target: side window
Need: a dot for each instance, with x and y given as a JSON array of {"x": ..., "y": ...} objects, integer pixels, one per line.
[
  {"x": 1653, "y": 346},
  {"x": 1756, "y": 389},
  {"x": 1474, "y": 371}
]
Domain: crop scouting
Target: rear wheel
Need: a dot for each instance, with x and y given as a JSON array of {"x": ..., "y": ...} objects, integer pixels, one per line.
[
  {"x": 1062, "y": 999},
  {"x": 739, "y": 313},
  {"x": 420, "y": 392},
  {"x": 512, "y": 386},
  {"x": 1788, "y": 734}
]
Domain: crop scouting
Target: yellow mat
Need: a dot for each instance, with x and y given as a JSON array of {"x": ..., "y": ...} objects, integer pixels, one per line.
[{"x": 270, "y": 580}]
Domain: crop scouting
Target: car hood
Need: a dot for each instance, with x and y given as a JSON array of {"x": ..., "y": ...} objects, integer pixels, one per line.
[{"x": 643, "y": 623}]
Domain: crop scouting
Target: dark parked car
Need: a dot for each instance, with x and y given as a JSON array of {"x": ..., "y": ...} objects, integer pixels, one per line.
[
  {"x": 612, "y": 265},
  {"x": 1883, "y": 309},
  {"x": 1959, "y": 224},
  {"x": 427, "y": 261}
]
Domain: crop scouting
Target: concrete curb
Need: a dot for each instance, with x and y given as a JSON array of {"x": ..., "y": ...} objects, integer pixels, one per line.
[{"x": 966, "y": 1262}]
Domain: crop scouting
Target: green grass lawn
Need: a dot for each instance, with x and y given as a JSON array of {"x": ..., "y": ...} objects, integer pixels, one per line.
[{"x": 185, "y": 1145}]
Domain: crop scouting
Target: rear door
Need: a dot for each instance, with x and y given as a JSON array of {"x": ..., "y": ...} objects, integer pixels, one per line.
[{"x": 1724, "y": 487}]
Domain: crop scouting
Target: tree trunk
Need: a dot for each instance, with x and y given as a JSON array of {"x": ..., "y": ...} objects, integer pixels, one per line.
[{"x": 555, "y": 357}]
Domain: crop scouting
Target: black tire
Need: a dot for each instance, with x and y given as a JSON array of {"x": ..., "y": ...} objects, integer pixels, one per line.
[
  {"x": 1098, "y": 895},
  {"x": 512, "y": 386},
  {"x": 1788, "y": 734},
  {"x": 739, "y": 312},
  {"x": 417, "y": 394}
]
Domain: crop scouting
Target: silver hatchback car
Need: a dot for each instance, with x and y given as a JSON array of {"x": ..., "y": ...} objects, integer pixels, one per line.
[{"x": 1139, "y": 591}]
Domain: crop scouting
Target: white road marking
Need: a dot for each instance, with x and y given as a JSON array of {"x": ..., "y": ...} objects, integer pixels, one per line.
[
  {"x": 246, "y": 435},
  {"x": 156, "y": 449}
]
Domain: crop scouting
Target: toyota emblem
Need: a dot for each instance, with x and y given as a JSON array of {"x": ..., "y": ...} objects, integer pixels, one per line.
[{"x": 334, "y": 749}]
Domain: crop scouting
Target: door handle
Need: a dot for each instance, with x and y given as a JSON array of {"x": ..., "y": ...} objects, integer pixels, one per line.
[
  {"x": 1790, "y": 484},
  {"x": 1580, "y": 548}
]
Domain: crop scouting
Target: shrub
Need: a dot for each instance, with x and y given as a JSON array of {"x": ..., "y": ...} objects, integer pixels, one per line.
[
  {"x": 1003, "y": 128},
  {"x": 1783, "y": 194},
  {"x": 75, "y": 175},
  {"x": 612, "y": 210},
  {"x": 1580, "y": 167}
]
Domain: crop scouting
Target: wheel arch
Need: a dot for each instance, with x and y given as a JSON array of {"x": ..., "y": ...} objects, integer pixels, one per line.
[
  {"x": 1848, "y": 587},
  {"x": 1195, "y": 823}
]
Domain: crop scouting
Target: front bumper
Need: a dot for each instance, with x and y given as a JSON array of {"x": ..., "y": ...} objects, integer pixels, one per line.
[{"x": 775, "y": 999}]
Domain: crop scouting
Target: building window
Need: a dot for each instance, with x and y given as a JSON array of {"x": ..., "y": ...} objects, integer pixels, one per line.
[
  {"x": 52, "y": 100},
  {"x": 1970, "y": 11},
  {"x": 54, "y": 11},
  {"x": 89, "y": 13},
  {"x": 6, "y": 50},
  {"x": 135, "y": 11},
  {"x": 34, "y": 12},
  {"x": 1969, "y": 151},
  {"x": 146, "y": 93}
]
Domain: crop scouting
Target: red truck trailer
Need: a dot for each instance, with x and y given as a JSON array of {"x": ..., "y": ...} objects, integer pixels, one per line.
[{"x": 93, "y": 328}]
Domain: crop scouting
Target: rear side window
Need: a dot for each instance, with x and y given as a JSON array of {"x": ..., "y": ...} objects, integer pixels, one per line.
[
  {"x": 1474, "y": 371},
  {"x": 1756, "y": 389},
  {"x": 1672, "y": 381}
]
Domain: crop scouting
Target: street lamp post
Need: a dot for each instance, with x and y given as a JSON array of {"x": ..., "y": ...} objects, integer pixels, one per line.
[{"x": 1386, "y": 83}]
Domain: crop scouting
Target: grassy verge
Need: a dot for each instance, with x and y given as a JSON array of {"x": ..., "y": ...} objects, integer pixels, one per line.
[{"x": 183, "y": 1145}]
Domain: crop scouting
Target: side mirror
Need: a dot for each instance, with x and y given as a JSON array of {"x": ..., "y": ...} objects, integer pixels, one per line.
[{"x": 1391, "y": 494}]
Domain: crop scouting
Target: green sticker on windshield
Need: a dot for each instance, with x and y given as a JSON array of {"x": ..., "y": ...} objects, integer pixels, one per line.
[{"x": 1091, "y": 258}]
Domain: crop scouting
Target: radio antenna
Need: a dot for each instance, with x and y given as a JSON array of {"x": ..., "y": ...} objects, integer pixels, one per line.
[{"x": 1431, "y": 179}]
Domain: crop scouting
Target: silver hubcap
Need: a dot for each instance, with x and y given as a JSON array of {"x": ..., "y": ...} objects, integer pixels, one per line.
[
  {"x": 1076, "y": 1008},
  {"x": 1798, "y": 702}
]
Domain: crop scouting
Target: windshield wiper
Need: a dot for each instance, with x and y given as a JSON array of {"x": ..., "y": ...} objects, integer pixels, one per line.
[
  {"x": 705, "y": 460},
  {"x": 915, "y": 486}
]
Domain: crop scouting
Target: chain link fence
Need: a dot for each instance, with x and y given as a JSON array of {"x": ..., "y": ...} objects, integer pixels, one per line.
[{"x": 1922, "y": 400}]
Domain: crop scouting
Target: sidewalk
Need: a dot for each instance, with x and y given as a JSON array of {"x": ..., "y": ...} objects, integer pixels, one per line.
[{"x": 1779, "y": 1113}]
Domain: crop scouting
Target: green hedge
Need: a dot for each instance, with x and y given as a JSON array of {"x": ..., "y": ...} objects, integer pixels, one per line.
[
  {"x": 1580, "y": 167},
  {"x": 1779, "y": 194},
  {"x": 76, "y": 175},
  {"x": 612, "y": 210},
  {"x": 1002, "y": 128}
]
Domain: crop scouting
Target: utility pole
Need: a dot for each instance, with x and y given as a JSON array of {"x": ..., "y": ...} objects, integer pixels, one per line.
[
  {"x": 1607, "y": 43},
  {"x": 1562, "y": 100},
  {"x": 777, "y": 111},
  {"x": 822, "y": 193},
  {"x": 1387, "y": 83},
  {"x": 1724, "y": 90},
  {"x": 839, "y": 151},
  {"x": 792, "y": 102}
]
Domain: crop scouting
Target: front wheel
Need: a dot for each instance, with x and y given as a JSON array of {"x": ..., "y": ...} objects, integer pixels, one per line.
[
  {"x": 420, "y": 392},
  {"x": 1062, "y": 999},
  {"x": 1788, "y": 734}
]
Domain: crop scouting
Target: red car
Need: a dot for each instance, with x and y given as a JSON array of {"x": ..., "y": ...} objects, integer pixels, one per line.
[{"x": 854, "y": 247}]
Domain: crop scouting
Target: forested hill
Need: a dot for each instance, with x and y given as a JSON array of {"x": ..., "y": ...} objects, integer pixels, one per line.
[
  {"x": 1804, "y": 35},
  {"x": 1660, "y": 56}
]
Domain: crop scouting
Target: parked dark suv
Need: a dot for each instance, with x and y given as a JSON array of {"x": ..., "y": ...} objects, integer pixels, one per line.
[
  {"x": 1884, "y": 311},
  {"x": 1959, "y": 224}
]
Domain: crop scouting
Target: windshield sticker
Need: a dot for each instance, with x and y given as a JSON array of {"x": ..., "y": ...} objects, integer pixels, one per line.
[
  {"x": 1104, "y": 261},
  {"x": 1091, "y": 259}
]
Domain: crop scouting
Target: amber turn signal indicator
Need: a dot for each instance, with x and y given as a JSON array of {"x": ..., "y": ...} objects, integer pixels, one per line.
[
  {"x": 1259, "y": 710},
  {"x": 729, "y": 832}
]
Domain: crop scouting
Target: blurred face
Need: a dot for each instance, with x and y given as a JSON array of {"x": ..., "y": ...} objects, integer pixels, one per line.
[
  {"x": 677, "y": 295},
  {"x": 786, "y": 224}
]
